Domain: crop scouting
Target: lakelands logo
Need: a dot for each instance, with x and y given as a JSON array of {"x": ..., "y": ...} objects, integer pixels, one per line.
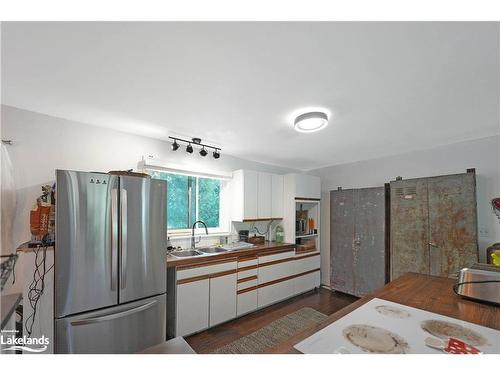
[{"x": 25, "y": 343}]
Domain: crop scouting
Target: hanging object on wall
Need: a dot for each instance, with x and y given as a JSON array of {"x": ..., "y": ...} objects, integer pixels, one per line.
[
  {"x": 495, "y": 203},
  {"x": 195, "y": 142}
]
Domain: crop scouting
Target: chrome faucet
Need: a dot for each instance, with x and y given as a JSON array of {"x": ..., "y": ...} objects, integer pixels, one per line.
[{"x": 193, "y": 243}]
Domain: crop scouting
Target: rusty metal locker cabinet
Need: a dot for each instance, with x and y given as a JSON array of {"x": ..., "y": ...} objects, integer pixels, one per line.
[
  {"x": 357, "y": 240},
  {"x": 433, "y": 225}
]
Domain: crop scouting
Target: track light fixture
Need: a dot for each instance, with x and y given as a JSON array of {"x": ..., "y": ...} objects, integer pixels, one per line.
[{"x": 195, "y": 142}]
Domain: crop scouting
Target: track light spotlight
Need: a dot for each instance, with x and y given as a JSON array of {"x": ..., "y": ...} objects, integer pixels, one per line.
[{"x": 195, "y": 143}]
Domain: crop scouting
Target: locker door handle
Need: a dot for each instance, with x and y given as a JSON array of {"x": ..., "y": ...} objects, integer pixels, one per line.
[{"x": 433, "y": 244}]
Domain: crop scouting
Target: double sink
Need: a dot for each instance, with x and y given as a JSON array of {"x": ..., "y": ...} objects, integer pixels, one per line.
[{"x": 197, "y": 252}]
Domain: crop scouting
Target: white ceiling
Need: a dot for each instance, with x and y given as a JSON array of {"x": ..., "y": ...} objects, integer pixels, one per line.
[{"x": 391, "y": 87}]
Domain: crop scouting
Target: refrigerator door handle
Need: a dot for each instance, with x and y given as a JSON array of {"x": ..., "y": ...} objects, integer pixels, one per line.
[
  {"x": 114, "y": 238},
  {"x": 123, "y": 211},
  {"x": 117, "y": 315}
]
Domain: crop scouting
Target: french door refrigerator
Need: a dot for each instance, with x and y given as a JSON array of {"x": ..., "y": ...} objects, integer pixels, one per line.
[{"x": 110, "y": 262}]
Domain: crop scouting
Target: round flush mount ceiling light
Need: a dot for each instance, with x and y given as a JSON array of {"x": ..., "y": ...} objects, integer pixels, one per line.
[{"x": 310, "y": 122}]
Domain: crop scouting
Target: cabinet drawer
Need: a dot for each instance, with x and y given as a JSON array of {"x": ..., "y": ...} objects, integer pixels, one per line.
[
  {"x": 247, "y": 302},
  {"x": 307, "y": 263},
  {"x": 248, "y": 262},
  {"x": 306, "y": 282},
  {"x": 278, "y": 256},
  {"x": 275, "y": 292},
  {"x": 188, "y": 272},
  {"x": 247, "y": 283},
  {"x": 248, "y": 273},
  {"x": 276, "y": 271}
]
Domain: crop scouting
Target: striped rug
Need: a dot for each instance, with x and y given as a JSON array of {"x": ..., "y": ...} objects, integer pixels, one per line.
[{"x": 274, "y": 333}]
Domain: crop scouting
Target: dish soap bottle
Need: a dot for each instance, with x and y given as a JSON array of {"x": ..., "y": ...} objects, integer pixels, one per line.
[{"x": 280, "y": 234}]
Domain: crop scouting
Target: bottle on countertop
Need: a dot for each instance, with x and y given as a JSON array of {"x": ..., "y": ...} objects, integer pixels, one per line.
[{"x": 280, "y": 234}]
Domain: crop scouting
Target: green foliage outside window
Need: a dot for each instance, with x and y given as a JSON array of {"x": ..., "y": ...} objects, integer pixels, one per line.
[
  {"x": 209, "y": 201},
  {"x": 188, "y": 195}
]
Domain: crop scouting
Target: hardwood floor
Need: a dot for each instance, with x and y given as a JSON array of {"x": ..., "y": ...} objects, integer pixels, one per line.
[{"x": 323, "y": 300}]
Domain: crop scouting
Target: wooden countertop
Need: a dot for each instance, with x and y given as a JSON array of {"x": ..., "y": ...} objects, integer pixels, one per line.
[
  {"x": 9, "y": 303},
  {"x": 267, "y": 247},
  {"x": 434, "y": 294}
]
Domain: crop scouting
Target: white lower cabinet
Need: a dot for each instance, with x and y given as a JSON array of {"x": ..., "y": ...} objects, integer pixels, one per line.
[
  {"x": 247, "y": 302},
  {"x": 222, "y": 298},
  {"x": 306, "y": 282},
  {"x": 214, "y": 299},
  {"x": 192, "y": 307},
  {"x": 275, "y": 292}
]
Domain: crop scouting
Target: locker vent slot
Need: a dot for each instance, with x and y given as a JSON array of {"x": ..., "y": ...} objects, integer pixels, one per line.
[
  {"x": 399, "y": 191},
  {"x": 411, "y": 190}
]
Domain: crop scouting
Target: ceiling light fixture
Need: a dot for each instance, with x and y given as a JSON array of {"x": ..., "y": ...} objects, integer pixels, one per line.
[
  {"x": 195, "y": 142},
  {"x": 310, "y": 122}
]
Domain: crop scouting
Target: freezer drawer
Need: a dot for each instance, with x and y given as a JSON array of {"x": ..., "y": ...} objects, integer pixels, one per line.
[{"x": 127, "y": 328}]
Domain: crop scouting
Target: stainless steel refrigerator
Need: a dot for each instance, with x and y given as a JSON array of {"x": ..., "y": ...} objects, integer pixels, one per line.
[{"x": 110, "y": 262}]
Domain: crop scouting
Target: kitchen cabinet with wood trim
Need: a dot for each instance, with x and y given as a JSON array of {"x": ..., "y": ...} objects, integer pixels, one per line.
[
  {"x": 277, "y": 191},
  {"x": 256, "y": 196},
  {"x": 207, "y": 294},
  {"x": 222, "y": 298},
  {"x": 264, "y": 191},
  {"x": 200, "y": 296},
  {"x": 192, "y": 307}
]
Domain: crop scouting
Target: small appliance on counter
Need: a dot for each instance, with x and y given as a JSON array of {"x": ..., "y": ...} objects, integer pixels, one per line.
[
  {"x": 481, "y": 282},
  {"x": 243, "y": 235}
]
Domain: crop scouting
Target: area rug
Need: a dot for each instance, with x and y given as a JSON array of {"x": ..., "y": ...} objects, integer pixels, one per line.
[{"x": 274, "y": 333}]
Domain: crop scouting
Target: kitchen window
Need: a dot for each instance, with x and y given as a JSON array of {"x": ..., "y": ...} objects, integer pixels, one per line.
[{"x": 190, "y": 199}]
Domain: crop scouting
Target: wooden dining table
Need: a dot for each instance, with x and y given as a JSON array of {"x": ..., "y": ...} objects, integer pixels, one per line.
[{"x": 430, "y": 293}]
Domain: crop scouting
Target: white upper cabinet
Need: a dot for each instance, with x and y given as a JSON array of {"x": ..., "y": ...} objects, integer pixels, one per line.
[
  {"x": 264, "y": 195},
  {"x": 244, "y": 186},
  {"x": 256, "y": 195},
  {"x": 306, "y": 186},
  {"x": 277, "y": 186}
]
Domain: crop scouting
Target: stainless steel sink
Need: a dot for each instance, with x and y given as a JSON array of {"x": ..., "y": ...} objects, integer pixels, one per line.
[
  {"x": 211, "y": 250},
  {"x": 185, "y": 253}
]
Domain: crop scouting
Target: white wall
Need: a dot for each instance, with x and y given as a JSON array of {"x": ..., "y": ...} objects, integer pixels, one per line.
[
  {"x": 482, "y": 154},
  {"x": 43, "y": 143}
]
